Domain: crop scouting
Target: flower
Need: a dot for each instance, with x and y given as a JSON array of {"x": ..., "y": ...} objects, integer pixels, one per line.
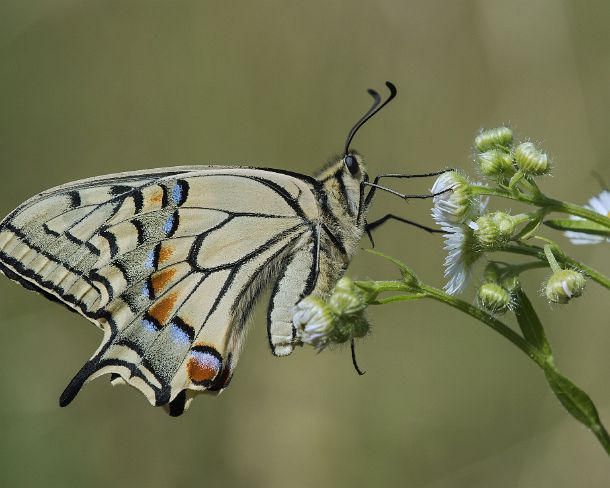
[
  {"x": 455, "y": 206},
  {"x": 493, "y": 230},
  {"x": 494, "y": 298},
  {"x": 599, "y": 204},
  {"x": 530, "y": 160},
  {"x": 313, "y": 320},
  {"x": 563, "y": 285},
  {"x": 341, "y": 318},
  {"x": 500, "y": 137},
  {"x": 495, "y": 162},
  {"x": 462, "y": 253}
]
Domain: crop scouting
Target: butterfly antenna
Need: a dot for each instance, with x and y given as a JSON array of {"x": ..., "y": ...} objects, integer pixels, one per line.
[
  {"x": 354, "y": 362},
  {"x": 376, "y": 107}
]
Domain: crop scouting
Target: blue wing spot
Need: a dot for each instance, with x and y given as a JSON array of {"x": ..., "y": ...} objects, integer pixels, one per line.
[
  {"x": 150, "y": 260},
  {"x": 146, "y": 291},
  {"x": 179, "y": 335},
  {"x": 206, "y": 360},
  {"x": 177, "y": 194},
  {"x": 149, "y": 326},
  {"x": 169, "y": 224}
]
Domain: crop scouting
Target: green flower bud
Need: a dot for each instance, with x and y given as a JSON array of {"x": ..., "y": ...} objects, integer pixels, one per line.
[
  {"x": 347, "y": 327},
  {"x": 321, "y": 323},
  {"x": 498, "y": 138},
  {"x": 347, "y": 298},
  {"x": 494, "y": 298},
  {"x": 531, "y": 160},
  {"x": 563, "y": 285},
  {"x": 493, "y": 230},
  {"x": 492, "y": 272},
  {"x": 510, "y": 283},
  {"x": 495, "y": 163}
]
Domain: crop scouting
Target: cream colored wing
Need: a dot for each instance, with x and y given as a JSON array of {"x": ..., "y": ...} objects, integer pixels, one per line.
[{"x": 168, "y": 264}]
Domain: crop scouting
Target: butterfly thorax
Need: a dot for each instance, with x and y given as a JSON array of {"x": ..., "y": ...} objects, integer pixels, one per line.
[{"x": 341, "y": 202}]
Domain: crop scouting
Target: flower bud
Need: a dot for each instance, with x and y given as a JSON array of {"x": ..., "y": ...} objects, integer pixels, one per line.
[
  {"x": 492, "y": 272},
  {"x": 320, "y": 323},
  {"x": 498, "y": 138},
  {"x": 510, "y": 283},
  {"x": 531, "y": 160},
  {"x": 314, "y": 321},
  {"x": 492, "y": 230},
  {"x": 563, "y": 285},
  {"x": 494, "y": 298},
  {"x": 495, "y": 163},
  {"x": 347, "y": 298}
]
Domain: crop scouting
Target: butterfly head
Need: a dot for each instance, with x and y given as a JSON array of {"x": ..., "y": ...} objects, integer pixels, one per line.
[{"x": 345, "y": 176}]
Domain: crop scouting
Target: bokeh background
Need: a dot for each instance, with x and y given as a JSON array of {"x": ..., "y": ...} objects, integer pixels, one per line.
[{"x": 94, "y": 87}]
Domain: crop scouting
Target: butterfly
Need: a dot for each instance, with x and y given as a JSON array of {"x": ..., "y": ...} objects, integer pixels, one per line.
[{"x": 168, "y": 263}]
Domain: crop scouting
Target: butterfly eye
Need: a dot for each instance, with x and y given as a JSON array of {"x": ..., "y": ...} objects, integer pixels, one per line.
[{"x": 351, "y": 164}]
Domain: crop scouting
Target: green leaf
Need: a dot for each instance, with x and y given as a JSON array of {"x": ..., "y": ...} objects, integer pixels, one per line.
[
  {"x": 577, "y": 402},
  {"x": 530, "y": 324},
  {"x": 408, "y": 275},
  {"x": 584, "y": 226},
  {"x": 527, "y": 230}
]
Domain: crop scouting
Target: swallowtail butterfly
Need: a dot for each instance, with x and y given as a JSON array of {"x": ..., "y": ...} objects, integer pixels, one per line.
[{"x": 169, "y": 262}]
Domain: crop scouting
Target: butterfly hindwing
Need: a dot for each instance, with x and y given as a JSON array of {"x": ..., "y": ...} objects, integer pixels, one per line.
[{"x": 168, "y": 264}]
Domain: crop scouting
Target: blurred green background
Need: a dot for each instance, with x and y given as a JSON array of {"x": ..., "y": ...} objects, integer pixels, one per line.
[{"x": 94, "y": 87}]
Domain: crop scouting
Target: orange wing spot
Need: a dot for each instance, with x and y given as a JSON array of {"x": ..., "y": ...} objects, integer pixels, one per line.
[
  {"x": 156, "y": 198},
  {"x": 203, "y": 364},
  {"x": 160, "y": 279},
  {"x": 161, "y": 310},
  {"x": 165, "y": 252},
  {"x": 202, "y": 367}
]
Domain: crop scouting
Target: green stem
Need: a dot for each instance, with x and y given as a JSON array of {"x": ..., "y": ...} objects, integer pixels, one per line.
[
  {"x": 550, "y": 257},
  {"x": 566, "y": 261},
  {"x": 520, "y": 268},
  {"x": 584, "y": 411},
  {"x": 488, "y": 320},
  {"x": 585, "y": 213},
  {"x": 550, "y": 204}
]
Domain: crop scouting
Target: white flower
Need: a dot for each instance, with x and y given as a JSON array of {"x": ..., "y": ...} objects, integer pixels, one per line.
[
  {"x": 462, "y": 253},
  {"x": 314, "y": 322},
  {"x": 456, "y": 206},
  {"x": 454, "y": 211},
  {"x": 599, "y": 204}
]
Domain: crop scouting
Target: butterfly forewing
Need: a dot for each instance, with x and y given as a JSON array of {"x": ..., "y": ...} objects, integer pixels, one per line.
[{"x": 168, "y": 263}]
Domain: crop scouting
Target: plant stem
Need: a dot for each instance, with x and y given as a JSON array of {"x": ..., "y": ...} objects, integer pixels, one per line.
[
  {"x": 566, "y": 261},
  {"x": 550, "y": 257},
  {"x": 488, "y": 320},
  {"x": 550, "y": 204}
]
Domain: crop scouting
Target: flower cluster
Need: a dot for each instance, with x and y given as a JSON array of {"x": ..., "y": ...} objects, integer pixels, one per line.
[
  {"x": 320, "y": 322},
  {"x": 510, "y": 170}
]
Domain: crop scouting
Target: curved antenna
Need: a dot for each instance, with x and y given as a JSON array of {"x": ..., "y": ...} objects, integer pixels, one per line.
[{"x": 376, "y": 107}]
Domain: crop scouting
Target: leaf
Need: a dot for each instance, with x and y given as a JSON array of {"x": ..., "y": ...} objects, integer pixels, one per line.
[
  {"x": 408, "y": 274},
  {"x": 530, "y": 324},
  {"x": 577, "y": 402},
  {"x": 584, "y": 226},
  {"x": 528, "y": 229}
]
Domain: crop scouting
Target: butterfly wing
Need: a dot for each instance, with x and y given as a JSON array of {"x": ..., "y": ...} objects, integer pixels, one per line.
[{"x": 168, "y": 264}]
